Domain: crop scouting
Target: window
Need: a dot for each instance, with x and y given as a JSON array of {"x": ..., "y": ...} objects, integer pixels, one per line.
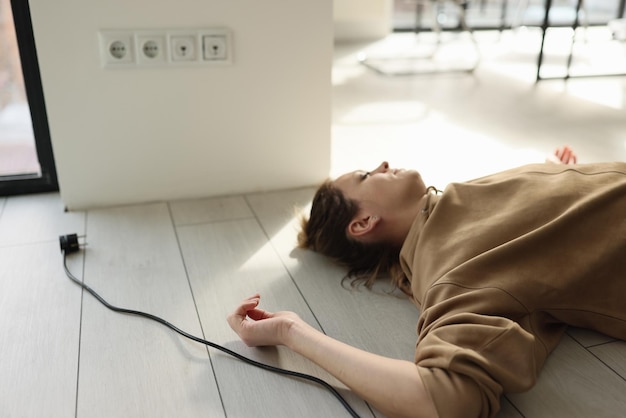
[{"x": 26, "y": 159}]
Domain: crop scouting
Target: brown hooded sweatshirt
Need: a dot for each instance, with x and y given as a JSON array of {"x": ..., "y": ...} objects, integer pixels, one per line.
[{"x": 500, "y": 265}]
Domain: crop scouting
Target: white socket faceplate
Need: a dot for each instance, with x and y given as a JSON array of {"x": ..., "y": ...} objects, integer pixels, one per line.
[{"x": 122, "y": 48}]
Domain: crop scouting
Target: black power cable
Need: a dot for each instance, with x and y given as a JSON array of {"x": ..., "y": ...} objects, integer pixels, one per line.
[{"x": 69, "y": 244}]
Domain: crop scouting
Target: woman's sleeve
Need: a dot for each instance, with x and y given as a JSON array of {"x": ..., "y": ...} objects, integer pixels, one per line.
[{"x": 467, "y": 361}]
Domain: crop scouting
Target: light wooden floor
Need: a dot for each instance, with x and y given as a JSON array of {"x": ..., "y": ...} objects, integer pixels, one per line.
[{"x": 62, "y": 354}]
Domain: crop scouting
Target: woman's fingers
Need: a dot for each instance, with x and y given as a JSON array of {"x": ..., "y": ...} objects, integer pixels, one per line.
[
  {"x": 571, "y": 157},
  {"x": 565, "y": 155},
  {"x": 264, "y": 328},
  {"x": 248, "y": 309},
  {"x": 238, "y": 316},
  {"x": 259, "y": 314},
  {"x": 246, "y": 305}
]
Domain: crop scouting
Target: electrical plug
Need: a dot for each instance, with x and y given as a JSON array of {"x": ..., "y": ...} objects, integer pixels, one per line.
[{"x": 69, "y": 243}]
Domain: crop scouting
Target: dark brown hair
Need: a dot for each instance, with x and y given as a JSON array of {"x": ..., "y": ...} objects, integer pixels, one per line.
[{"x": 325, "y": 232}]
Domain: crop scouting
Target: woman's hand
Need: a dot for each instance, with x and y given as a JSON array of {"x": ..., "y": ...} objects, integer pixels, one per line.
[
  {"x": 562, "y": 155},
  {"x": 257, "y": 327}
]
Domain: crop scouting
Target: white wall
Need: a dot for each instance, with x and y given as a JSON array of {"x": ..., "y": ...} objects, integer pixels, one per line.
[
  {"x": 128, "y": 136},
  {"x": 357, "y": 20}
]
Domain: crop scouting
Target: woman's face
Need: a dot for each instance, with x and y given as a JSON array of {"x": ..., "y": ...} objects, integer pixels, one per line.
[{"x": 384, "y": 190}]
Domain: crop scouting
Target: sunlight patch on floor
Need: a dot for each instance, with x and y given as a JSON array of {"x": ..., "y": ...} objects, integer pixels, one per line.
[
  {"x": 262, "y": 261},
  {"x": 440, "y": 149}
]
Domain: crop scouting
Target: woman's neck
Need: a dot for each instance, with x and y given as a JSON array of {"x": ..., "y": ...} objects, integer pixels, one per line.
[{"x": 399, "y": 226}]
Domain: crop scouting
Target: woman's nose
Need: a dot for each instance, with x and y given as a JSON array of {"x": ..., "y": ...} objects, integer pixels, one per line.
[{"x": 383, "y": 167}]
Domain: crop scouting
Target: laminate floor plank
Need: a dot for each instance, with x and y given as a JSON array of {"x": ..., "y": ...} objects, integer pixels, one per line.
[
  {"x": 228, "y": 261},
  {"x": 131, "y": 366},
  {"x": 37, "y": 218},
  {"x": 40, "y": 326},
  {"x": 507, "y": 410},
  {"x": 588, "y": 338},
  {"x": 613, "y": 355},
  {"x": 197, "y": 211},
  {"x": 573, "y": 383}
]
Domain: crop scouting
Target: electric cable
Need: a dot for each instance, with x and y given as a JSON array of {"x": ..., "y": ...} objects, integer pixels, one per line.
[{"x": 65, "y": 249}]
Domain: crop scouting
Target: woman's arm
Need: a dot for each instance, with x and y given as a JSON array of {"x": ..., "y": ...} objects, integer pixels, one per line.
[{"x": 392, "y": 386}]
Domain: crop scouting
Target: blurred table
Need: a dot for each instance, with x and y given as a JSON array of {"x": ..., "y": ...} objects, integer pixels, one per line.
[{"x": 546, "y": 24}]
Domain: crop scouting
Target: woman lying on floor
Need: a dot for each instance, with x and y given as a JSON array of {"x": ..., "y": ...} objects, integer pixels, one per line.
[{"x": 499, "y": 267}]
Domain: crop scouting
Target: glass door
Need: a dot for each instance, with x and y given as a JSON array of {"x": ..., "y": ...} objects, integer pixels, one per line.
[{"x": 26, "y": 159}]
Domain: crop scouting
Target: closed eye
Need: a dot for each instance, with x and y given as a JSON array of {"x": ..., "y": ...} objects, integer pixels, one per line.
[{"x": 365, "y": 175}]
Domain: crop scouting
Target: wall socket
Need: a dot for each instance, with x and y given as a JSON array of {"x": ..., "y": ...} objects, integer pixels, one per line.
[
  {"x": 151, "y": 48},
  {"x": 184, "y": 47},
  {"x": 165, "y": 47},
  {"x": 215, "y": 47},
  {"x": 117, "y": 48}
]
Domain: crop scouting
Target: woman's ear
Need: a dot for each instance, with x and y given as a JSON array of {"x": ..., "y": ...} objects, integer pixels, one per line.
[{"x": 362, "y": 225}]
